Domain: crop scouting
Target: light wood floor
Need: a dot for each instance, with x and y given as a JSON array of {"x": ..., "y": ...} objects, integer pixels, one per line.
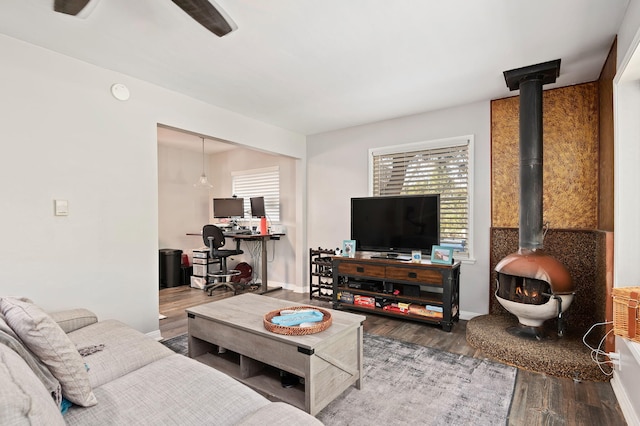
[{"x": 538, "y": 399}]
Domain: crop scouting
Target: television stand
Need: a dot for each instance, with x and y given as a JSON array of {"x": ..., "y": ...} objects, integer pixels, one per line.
[{"x": 424, "y": 292}]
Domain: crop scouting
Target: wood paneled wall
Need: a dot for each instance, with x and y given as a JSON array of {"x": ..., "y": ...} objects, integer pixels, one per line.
[
  {"x": 571, "y": 158},
  {"x": 606, "y": 189},
  {"x": 605, "y": 192}
]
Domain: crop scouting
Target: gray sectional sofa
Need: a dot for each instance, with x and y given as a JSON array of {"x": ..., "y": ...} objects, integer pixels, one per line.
[{"x": 106, "y": 373}]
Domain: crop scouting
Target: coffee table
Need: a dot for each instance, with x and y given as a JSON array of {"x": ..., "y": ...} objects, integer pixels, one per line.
[{"x": 229, "y": 335}]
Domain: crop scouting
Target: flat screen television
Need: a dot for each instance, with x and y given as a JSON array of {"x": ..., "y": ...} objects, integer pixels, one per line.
[
  {"x": 228, "y": 207},
  {"x": 396, "y": 224},
  {"x": 257, "y": 207}
]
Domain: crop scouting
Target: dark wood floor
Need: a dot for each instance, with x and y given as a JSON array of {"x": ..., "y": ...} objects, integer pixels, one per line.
[{"x": 538, "y": 399}]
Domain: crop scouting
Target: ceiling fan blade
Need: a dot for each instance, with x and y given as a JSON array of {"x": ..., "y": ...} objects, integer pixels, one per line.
[
  {"x": 207, "y": 15},
  {"x": 70, "y": 7}
]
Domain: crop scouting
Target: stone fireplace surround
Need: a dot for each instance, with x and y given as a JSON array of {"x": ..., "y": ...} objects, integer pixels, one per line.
[
  {"x": 584, "y": 255},
  {"x": 583, "y": 252},
  {"x": 578, "y": 200}
]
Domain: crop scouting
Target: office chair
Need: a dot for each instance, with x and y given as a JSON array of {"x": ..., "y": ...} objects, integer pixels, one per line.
[{"x": 214, "y": 239}]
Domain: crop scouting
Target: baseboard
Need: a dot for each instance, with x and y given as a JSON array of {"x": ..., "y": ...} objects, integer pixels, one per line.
[
  {"x": 624, "y": 381},
  {"x": 155, "y": 335},
  {"x": 466, "y": 315},
  {"x": 623, "y": 400},
  {"x": 287, "y": 286}
]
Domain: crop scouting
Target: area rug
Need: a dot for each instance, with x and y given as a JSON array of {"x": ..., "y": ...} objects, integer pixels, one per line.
[
  {"x": 404, "y": 383},
  {"x": 178, "y": 344}
]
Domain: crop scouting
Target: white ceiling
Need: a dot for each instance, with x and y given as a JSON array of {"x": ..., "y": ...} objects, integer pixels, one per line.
[{"x": 318, "y": 65}]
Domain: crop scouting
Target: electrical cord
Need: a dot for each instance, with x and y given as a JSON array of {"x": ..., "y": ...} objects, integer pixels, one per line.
[
  {"x": 254, "y": 252},
  {"x": 598, "y": 352},
  {"x": 273, "y": 243}
]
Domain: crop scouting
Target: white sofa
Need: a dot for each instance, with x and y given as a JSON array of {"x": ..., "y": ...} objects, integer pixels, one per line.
[{"x": 124, "y": 377}]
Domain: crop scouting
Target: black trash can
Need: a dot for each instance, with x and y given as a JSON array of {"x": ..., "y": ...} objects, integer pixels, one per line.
[
  {"x": 186, "y": 272},
  {"x": 170, "y": 262}
]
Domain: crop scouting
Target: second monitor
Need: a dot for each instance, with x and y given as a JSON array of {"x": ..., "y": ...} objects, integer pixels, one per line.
[{"x": 257, "y": 207}]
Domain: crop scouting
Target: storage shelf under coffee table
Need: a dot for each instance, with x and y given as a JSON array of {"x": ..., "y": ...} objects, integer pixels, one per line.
[{"x": 327, "y": 362}]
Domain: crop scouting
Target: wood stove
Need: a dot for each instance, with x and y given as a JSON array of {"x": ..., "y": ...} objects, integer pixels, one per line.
[{"x": 532, "y": 285}]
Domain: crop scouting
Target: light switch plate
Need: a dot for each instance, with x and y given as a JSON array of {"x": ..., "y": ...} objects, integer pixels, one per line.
[{"x": 61, "y": 207}]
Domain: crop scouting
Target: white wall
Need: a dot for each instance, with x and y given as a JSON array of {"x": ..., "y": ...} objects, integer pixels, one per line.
[
  {"x": 626, "y": 249},
  {"x": 282, "y": 263},
  {"x": 64, "y": 136},
  {"x": 182, "y": 208},
  {"x": 627, "y": 198},
  {"x": 337, "y": 170}
]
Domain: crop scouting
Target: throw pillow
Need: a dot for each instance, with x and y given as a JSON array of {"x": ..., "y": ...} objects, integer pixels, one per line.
[
  {"x": 23, "y": 398},
  {"x": 48, "y": 342}
]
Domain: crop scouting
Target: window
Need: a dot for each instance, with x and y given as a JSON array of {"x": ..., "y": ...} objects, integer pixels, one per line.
[
  {"x": 438, "y": 167},
  {"x": 259, "y": 183}
]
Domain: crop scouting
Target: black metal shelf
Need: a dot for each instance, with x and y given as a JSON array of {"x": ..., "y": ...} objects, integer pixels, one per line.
[
  {"x": 321, "y": 274},
  {"x": 409, "y": 316},
  {"x": 425, "y": 297}
]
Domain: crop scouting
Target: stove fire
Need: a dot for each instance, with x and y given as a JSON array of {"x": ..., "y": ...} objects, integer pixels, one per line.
[
  {"x": 532, "y": 285},
  {"x": 524, "y": 290}
]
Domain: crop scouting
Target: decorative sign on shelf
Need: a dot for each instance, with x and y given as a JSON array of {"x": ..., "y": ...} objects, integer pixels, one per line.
[
  {"x": 442, "y": 255},
  {"x": 349, "y": 248}
]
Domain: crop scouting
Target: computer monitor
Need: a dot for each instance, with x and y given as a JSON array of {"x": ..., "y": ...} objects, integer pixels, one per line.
[
  {"x": 228, "y": 207},
  {"x": 257, "y": 207}
]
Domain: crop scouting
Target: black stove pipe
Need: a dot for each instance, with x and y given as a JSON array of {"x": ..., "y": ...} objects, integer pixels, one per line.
[
  {"x": 529, "y": 80},
  {"x": 531, "y": 159}
]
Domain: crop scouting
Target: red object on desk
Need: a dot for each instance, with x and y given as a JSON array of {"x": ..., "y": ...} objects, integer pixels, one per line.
[{"x": 263, "y": 225}]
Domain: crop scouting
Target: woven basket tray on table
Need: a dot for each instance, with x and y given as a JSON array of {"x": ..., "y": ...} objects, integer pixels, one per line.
[
  {"x": 296, "y": 330},
  {"x": 626, "y": 321}
]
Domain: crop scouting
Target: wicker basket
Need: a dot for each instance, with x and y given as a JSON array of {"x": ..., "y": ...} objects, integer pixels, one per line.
[
  {"x": 297, "y": 331},
  {"x": 626, "y": 321}
]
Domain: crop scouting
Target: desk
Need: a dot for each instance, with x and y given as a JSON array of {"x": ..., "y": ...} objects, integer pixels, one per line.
[{"x": 262, "y": 238}]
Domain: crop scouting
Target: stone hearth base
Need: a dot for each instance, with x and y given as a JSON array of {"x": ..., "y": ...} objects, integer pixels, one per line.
[{"x": 561, "y": 357}]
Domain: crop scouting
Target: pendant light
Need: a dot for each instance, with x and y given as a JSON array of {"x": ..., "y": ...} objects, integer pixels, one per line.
[{"x": 203, "y": 182}]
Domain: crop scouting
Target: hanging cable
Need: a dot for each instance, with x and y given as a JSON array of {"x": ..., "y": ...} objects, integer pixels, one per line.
[{"x": 597, "y": 353}]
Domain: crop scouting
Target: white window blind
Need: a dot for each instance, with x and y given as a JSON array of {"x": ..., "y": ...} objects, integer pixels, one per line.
[
  {"x": 431, "y": 168},
  {"x": 259, "y": 183}
]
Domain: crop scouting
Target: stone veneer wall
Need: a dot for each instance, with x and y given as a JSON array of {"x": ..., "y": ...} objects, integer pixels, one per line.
[{"x": 583, "y": 252}]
